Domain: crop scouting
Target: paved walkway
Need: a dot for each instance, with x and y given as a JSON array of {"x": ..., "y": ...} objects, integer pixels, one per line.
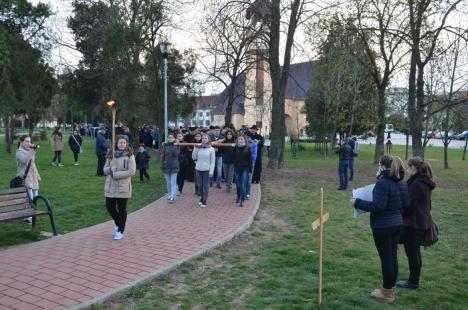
[{"x": 84, "y": 267}]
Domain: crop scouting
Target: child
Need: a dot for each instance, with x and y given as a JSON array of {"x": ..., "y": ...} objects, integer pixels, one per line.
[{"x": 142, "y": 162}]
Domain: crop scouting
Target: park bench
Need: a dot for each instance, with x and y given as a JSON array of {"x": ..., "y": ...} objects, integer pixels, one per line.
[{"x": 15, "y": 204}]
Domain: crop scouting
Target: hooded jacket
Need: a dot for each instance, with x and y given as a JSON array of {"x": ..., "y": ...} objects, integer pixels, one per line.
[
  {"x": 418, "y": 215},
  {"x": 119, "y": 183}
]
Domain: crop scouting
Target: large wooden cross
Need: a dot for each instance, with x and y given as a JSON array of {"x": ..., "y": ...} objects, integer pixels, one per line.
[{"x": 316, "y": 224}]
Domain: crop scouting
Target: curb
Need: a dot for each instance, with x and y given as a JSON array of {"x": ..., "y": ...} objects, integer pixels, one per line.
[{"x": 124, "y": 288}]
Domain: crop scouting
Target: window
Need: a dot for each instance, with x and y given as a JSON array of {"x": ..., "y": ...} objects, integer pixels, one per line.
[
  {"x": 207, "y": 114},
  {"x": 200, "y": 114},
  {"x": 207, "y": 123}
]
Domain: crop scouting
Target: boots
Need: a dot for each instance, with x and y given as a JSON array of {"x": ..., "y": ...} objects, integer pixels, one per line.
[{"x": 384, "y": 294}]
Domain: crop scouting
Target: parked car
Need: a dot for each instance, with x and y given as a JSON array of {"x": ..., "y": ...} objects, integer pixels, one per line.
[
  {"x": 441, "y": 135},
  {"x": 462, "y": 136}
]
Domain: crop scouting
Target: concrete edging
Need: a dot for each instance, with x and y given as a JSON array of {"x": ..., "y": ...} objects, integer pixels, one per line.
[{"x": 123, "y": 289}]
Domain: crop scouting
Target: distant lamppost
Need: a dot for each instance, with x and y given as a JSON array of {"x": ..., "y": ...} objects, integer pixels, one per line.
[
  {"x": 165, "y": 49},
  {"x": 389, "y": 147},
  {"x": 112, "y": 104}
]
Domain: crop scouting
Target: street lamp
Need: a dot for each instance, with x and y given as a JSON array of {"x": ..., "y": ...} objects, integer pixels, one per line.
[
  {"x": 112, "y": 104},
  {"x": 165, "y": 49}
]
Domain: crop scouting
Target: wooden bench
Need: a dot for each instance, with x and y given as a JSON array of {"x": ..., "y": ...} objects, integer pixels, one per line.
[{"x": 15, "y": 204}]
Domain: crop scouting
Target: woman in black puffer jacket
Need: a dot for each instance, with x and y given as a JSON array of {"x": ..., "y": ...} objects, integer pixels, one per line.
[
  {"x": 389, "y": 197},
  {"x": 417, "y": 218}
]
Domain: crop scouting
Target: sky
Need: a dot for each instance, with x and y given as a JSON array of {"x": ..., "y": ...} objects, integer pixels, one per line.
[{"x": 184, "y": 37}]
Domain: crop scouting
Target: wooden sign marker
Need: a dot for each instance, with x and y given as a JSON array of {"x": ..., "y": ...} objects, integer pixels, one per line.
[{"x": 316, "y": 224}]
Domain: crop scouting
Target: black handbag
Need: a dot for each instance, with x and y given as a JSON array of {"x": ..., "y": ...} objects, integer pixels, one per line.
[
  {"x": 19, "y": 181},
  {"x": 431, "y": 236}
]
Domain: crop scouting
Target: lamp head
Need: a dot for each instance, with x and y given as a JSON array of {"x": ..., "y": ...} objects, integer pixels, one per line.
[
  {"x": 165, "y": 49},
  {"x": 111, "y": 103}
]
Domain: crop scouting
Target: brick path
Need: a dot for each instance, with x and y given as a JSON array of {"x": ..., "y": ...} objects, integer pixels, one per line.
[{"x": 87, "y": 266}]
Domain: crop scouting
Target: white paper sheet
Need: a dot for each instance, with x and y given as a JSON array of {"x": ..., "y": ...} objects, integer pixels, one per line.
[{"x": 364, "y": 193}]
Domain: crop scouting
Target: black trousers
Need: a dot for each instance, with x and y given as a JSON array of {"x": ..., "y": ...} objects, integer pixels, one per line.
[
  {"x": 386, "y": 241},
  {"x": 181, "y": 178},
  {"x": 100, "y": 165},
  {"x": 75, "y": 155},
  {"x": 117, "y": 208},
  {"x": 143, "y": 172},
  {"x": 412, "y": 240}
]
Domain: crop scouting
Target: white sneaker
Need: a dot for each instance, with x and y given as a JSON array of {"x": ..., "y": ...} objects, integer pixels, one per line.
[
  {"x": 114, "y": 231},
  {"x": 118, "y": 235},
  {"x": 54, "y": 164},
  {"x": 77, "y": 163},
  {"x": 202, "y": 206},
  {"x": 60, "y": 165}
]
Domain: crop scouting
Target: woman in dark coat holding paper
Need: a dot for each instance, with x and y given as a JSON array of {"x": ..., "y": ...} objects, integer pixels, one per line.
[
  {"x": 75, "y": 142},
  {"x": 389, "y": 197},
  {"x": 417, "y": 218}
]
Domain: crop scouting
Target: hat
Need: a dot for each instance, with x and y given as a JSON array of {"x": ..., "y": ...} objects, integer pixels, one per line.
[
  {"x": 254, "y": 127},
  {"x": 248, "y": 134}
]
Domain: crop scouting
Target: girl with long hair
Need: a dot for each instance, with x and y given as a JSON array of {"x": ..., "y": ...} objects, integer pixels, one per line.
[
  {"x": 205, "y": 163},
  {"x": 243, "y": 165}
]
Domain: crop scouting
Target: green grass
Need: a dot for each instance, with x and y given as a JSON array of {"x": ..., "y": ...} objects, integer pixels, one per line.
[
  {"x": 274, "y": 264},
  {"x": 76, "y": 193}
]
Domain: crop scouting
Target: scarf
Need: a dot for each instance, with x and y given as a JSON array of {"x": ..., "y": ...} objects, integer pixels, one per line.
[{"x": 118, "y": 153}]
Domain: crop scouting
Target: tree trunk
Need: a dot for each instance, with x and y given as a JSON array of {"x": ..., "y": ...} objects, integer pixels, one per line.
[
  {"x": 407, "y": 146},
  {"x": 9, "y": 132},
  {"x": 379, "y": 142},
  {"x": 464, "y": 149},
  {"x": 446, "y": 140},
  {"x": 230, "y": 103}
]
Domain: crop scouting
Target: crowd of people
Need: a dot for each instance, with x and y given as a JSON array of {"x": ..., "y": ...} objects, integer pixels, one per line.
[{"x": 400, "y": 210}]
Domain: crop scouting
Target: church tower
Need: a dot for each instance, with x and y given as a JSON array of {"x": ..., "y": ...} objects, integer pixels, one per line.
[{"x": 257, "y": 103}]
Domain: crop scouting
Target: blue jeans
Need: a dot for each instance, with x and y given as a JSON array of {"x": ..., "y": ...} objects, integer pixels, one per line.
[
  {"x": 229, "y": 174},
  {"x": 57, "y": 157},
  {"x": 219, "y": 170},
  {"x": 242, "y": 180},
  {"x": 351, "y": 168},
  {"x": 249, "y": 183},
  {"x": 171, "y": 183},
  {"x": 343, "y": 173},
  {"x": 203, "y": 180}
]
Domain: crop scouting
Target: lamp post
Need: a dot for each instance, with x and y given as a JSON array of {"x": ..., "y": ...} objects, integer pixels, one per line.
[
  {"x": 112, "y": 104},
  {"x": 165, "y": 49}
]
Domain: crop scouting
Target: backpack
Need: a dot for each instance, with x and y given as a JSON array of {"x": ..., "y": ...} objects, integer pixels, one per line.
[{"x": 356, "y": 148}]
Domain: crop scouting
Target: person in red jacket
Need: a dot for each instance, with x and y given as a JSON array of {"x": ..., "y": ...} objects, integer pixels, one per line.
[{"x": 417, "y": 218}]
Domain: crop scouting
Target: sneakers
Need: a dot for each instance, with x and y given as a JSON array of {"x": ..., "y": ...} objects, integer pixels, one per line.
[
  {"x": 178, "y": 193},
  {"x": 27, "y": 220},
  {"x": 200, "y": 203},
  {"x": 60, "y": 165},
  {"x": 77, "y": 163},
  {"x": 247, "y": 197},
  {"x": 54, "y": 164},
  {"x": 202, "y": 206},
  {"x": 118, "y": 235},
  {"x": 114, "y": 231},
  {"x": 407, "y": 284},
  {"x": 171, "y": 201}
]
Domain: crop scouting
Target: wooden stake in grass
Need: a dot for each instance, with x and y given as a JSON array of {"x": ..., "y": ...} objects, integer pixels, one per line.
[{"x": 316, "y": 224}]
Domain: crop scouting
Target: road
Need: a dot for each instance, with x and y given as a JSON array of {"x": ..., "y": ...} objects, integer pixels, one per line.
[{"x": 400, "y": 139}]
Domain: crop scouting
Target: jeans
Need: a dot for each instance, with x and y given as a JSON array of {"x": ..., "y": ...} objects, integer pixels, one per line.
[
  {"x": 218, "y": 170},
  {"x": 249, "y": 183},
  {"x": 57, "y": 157},
  {"x": 412, "y": 240},
  {"x": 117, "y": 208},
  {"x": 351, "y": 168},
  {"x": 229, "y": 174},
  {"x": 100, "y": 165},
  {"x": 33, "y": 193},
  {"x": 343, "y": 172},
  {"x": 203, "y": 182},
  {"x": 171, "y": 183},
  {"x": 242, "y": 177},
  {"x": 386, "y": 241}
]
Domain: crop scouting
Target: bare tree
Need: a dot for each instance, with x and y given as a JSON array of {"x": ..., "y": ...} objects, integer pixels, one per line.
[
  {"x": 375, "y": 21},
  {"x": 427, "y": 20},
  {"x": 230, "y": 38}
]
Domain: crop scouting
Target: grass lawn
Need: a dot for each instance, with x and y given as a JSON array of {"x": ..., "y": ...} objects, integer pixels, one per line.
[
  {"x": 273, "y": 265},
  {"x": 76, "y": 193}
]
